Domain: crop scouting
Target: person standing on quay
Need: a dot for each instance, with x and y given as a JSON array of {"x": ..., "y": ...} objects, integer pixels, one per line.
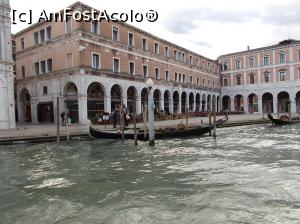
[{"x": 114, "y": 117}]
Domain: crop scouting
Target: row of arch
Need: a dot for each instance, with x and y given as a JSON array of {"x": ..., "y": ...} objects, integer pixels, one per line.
[
  {"x": 267, "y": 103},
  {"x": 100, "y": 100}
]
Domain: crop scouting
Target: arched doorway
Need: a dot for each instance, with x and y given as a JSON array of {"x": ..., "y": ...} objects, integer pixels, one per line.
[
  {"x": 176, "y": 102},
  {"x": 71, "y": 101},
  {"x": 183, "y": 102},
  {"x": 226, "y": 103},
  {"x": 298, "y": 103},
  {"x": 253, "y": 103},
  {"x": 203, "y": 102},
  {"x": 198, "y": 101},
  {"x": 25, "y": 105},
  {"x": 131, "y": 98},
  {"x": 283, "y": 100},
  {"x": 191, "y": 101},
  {"x": 116, "y": 97},
  {"x": 166, "y": 101},
  {"x": 208, "y": 103},
  {"x": 95, "y": 100},
  {"x": 239, "y": 103},
  {"x": 267, "y": 103},
  {"x": 156, "y": 99}
]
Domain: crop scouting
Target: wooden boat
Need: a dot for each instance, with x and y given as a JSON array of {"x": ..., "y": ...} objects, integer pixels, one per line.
[
  {"x": 159, "y": 134},
  {"x": 222, "y": 121},
  {"x": 283, "y": 120}
]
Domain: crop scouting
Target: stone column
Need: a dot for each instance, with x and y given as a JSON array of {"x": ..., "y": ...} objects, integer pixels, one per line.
[
  {"x": 138, "y": 105},
  {"x": 259, "y": 102},
  {"x": 195, "y": 104},
  {"x": 161, "y": 103},
  {"x": 232, "y": 104},
  {"x": 171, "y": 109},
  {"x": 187, "y": 104},
  {"x": 275, "y": 105},
  {"x": 246, "y": 107},
  {"x": 179, "y": 105},
  {"x": 82, "y": 107},
  {"x": 20, "y": 111},
  {"x": 34, "y": 112},
  {"x": 293, "y": 106},
  {"x": 107, "y": 104}
]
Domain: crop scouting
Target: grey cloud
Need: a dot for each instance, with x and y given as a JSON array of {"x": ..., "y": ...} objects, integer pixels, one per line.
[
  {"x": 201, "y": 43},
  {"x": 187, "y": 20}
]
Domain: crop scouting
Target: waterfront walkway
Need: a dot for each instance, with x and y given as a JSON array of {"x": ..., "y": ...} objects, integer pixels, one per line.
[{"x": 26, "y": 131}]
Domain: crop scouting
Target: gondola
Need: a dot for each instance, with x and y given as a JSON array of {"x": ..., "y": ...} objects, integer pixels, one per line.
[
  {"x": 159, "y": 134},
  {"x": 283, "y": 120},
  {"x": 221, "y": 121}
]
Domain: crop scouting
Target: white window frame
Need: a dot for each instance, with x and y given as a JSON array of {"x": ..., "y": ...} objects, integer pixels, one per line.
[
  {"x": 98, "y": 27},
  {"x": 129, "y": 67},
  {"x": 238, "y": 64},
  {"x": 46, "y": 61},
  {"x": 146, "y": 46},
  {"x": 113, "y": 65},
  {"x": 282, "y": 55},
  {"x": 224, "y": 82},
  {"x": 156, "y": 68},
  {"x": 98, "y": 61},
  {"x": 266, "y": 74},
  {"x": 133, "y": 39},
  {"x": 251, "y": 75},
  {"x": 71, "y": 60},
  {"x": 156, "y": 52},
  {"x": 191, "y": 79},
  {"x": 166, "y": 52},
  {"x": 167, "y": 75},
  {"x": 191, "y": 60},
  {"x": 284, "y": 75},
  {"x": 251, "y": 62},
  {"x": 112, "y": 33},
  {"x": 66, "y": 26},
  {"x": 268, "y": 60},
  {"x": 198, "y": 81},
  {"x": 144, "y": 65}
]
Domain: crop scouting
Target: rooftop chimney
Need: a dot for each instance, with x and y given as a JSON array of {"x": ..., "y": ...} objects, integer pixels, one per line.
[{"x": 248, "y": 48}]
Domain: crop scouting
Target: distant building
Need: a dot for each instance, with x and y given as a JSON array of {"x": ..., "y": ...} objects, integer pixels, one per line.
[
  {"x": 262, "y": 80},
  {"x": 94, "y": 67},
  {"x": 7, "y": 105}
]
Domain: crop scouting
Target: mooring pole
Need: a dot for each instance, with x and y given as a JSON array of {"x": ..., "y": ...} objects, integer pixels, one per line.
[
  {"x": 57, "y": 117},
  {"x": 145, "y": 121},
  {"x": 187, "y": 117},
  {"x": 67, "y": 126},
  {"x": 215, "y": 126},
  {"x": 134, "y": 122},
  {"x": 122, "y": 120},
  {"x": 209, "y": 118}
]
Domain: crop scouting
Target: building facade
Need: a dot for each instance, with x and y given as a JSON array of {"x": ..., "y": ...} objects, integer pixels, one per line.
[
  {"x": 262, "y": 80},
  {"x": 92, "y": 67},
  {"x": 7, "y": 105}
]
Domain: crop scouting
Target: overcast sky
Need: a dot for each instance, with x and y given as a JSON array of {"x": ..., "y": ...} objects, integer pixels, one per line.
[{"x": 208, "y": 27}]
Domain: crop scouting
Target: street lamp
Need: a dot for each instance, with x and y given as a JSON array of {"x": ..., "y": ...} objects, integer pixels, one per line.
[{"x": 151, "y": 107}]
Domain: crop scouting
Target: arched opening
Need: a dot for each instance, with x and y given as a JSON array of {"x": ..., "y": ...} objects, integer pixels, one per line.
[
  {"x": 116, "y": 97},
  {"x": 239, "y": 103},
  {"x": 166, "y": 101},
  {"x": 198, "y": 101},
  {"x": 218, "y": 104},
  {"x": 253, "y": 103},
  {"x": 283, "y": 100},
  {"x": 144, "y": 98},
  {"x": 267, "y": 103},
  {"x": 226, "y": 102},
  {"x": 176, "y": 102},
  {"x": 95, "y": 100},
  {"x": 208, "y": 103},
  {"x": 191, "y": 102},
  {"x": 131, "y": 98},
  {"x": 183, "y": 102},
  {"x": 26, "y": 105},
  {"x": 298, "y": 103},
  {"x": 156, "y": 98},
  {"x": 71, "y": 101},
  {"x": 203, "y": 102}
]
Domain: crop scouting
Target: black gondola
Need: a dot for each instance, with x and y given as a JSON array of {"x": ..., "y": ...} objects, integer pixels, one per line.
[
  {"x": 159, "y": 134},
  {"x": 283, "y": 120}
]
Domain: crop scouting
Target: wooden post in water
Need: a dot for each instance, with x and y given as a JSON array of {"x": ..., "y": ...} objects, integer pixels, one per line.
[
  {"x": 209, "y": 118},
  {"x": 187, "y": 117},
  {"x": 145, "y": 121},
  {"x": 134, "y": 122},
  {"x": 214, "y": 114},
  {"x": 290, "y": 107},
  {"x": 122, "y": 121},
  {"x": 57, "y": 115},
  {"x": 67, "y": 126}
]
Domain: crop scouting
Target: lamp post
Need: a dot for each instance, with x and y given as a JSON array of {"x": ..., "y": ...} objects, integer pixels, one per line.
[{"x": 149, "y": 84}]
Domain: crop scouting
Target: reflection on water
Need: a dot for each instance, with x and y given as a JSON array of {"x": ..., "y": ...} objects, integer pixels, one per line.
[{"x": 249, "y": 175}]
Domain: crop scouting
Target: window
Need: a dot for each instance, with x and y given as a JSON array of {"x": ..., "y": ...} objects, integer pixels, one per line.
[
  {"x": 208, "y": 66},
  {"x": 224, "y": 66},
  {"x": 191, "y": 79},
  {"x": 179, "y": 77},
  {"x": 175, "y": 55},
  {"x": 36, "y": 38},
  {"x": 166, "y": 53},
  {"x": 183, "y": 58},
  {"x": 179, "y": 55},
  {"x": 131, "y": 68},
  {"x": 203, "y": 82},
  {"x": 183, "y": 78},
  {"x": 266, "y": 77},
  {"x": 251, "y": 62},
  {"x": 49, "y": 65},
  {"x": 116, "y": 65},
  {"x": 115, "y": 33},
  {"x": 36, "y": 68},
  {"x": 282, "y": 75},
  {"x": 23, "y": 72},
  {"x": 237, "y": 64},
  {"x": 252, "y": 80},
  {"x": 145, "y": 71},
  {"x": 213, "y": 85},
  {"x": 238, "y": 80},
  {"x": 131, "y": 39},
  {"x": 156, "y": 48},
  {"x": 48, "y": 33},
  {"x": 68, "y": 25},
  {"x": 225, "y": 83},
  {"x": 42, "y": 36},
  {"x": 191, "y": 60},
  {"x": 197, "y": 61},
  {"x": 96, "y": 61},
  {"x": 22, "y": 43},
  {"x": 167, "y": 75},
  {"x": 43, "y": 67},
  {"x": 176, "y": 77},
  {"x": 282, "y": 58},
  {"x": 69, "y": 60},
  {"x": 156, "y": 73},
  {"x": 94, "y": 27},
  {"x": 45, "y": 90},
  {"x": 144, "y": 44},
  {"x": 208, "y": 83},
  {"x": 266, "y": 60},
  {"x": 198, "y": 80}
]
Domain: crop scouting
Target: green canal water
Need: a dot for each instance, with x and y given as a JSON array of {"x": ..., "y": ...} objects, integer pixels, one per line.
[{"x": 250, "y": 174}]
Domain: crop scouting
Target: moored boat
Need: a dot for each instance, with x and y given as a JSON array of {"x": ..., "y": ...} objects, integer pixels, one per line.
[{"x": 282, "y": 120}]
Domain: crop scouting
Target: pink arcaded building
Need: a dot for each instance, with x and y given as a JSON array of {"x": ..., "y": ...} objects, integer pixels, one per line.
[{"x": 92, "y": 67}]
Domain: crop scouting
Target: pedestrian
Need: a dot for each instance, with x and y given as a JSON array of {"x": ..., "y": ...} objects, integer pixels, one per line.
[
  {"x": 114, "y": 117},
  {"x": 62, "y": 115},
  {"x": 125, "y": 116}
]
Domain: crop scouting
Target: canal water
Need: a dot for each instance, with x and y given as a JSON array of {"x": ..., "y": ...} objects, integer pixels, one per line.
[{"x": 250, "y": 174}]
